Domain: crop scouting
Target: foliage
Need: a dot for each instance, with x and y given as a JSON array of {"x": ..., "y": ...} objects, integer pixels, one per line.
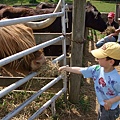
[
  {"x": 85, "y": 104},
  {"x": 32, "y": 1},
  {"x": 9, "y": 1},
  {"x": 106, "y": 0}
]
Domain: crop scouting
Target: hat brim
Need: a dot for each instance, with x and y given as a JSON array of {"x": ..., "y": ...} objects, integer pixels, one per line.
[{"x": 98, "y": 53}]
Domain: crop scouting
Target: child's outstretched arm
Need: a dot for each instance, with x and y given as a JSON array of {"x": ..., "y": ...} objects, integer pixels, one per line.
[{"x": 70, "y": 69}]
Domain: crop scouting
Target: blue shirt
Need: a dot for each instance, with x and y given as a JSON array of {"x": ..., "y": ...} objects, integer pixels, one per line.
[{"x": 107, "y": 85}]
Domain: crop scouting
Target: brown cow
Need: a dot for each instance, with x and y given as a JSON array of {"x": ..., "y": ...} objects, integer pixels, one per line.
[
  {"x": 14, "y": 39},
  {"x": 15, "y": 12}
]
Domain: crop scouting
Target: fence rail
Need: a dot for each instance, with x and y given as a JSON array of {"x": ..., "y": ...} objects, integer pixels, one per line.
[{"x": 29, "y": 19}]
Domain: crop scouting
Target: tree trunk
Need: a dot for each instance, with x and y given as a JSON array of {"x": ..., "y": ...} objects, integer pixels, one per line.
[{"x": 78, "y": 27}]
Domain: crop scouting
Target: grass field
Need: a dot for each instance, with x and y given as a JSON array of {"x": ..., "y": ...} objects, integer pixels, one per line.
[{"x": 104, "y": 6}]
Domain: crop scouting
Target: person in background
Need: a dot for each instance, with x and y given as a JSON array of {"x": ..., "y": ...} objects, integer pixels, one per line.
[
  {"x": 105, "y": 77},
  {"x": 117, "y": 32},
  {"x": 113, "y": 23}
]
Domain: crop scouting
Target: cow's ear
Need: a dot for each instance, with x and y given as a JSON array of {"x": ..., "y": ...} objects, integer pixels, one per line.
[{"x": 40, "y": 60}]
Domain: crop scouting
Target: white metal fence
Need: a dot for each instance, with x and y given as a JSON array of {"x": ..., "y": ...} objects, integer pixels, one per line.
[{"x": 16, "y": 56}]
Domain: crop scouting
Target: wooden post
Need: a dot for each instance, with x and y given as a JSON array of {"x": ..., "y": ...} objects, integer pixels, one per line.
[
  {"x": 117, "y": 14},
  {"x": 78, "y": 27}
]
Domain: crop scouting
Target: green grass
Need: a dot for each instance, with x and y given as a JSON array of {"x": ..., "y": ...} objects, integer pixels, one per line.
[{"x": 104, "y": 6}]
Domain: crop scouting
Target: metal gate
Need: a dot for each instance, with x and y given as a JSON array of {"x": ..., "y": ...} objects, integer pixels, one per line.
[{"x": 16, "y": 56}]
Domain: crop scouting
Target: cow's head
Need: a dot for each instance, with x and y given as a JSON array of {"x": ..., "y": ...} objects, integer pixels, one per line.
[
  {"x": 44, "y": 5},
  {"x": 38, "y": 61},
  {"x": 16, "y": 38},
  {"x": 93, "y": 18}
]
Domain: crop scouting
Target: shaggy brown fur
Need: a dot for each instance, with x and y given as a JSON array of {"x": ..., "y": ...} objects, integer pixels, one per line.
[{"x": 16, "y": 38}]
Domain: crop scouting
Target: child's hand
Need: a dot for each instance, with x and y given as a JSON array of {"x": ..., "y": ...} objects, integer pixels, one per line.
[
  {"x": 107, "y": 104},
  {"x": 62, "y": 68}
]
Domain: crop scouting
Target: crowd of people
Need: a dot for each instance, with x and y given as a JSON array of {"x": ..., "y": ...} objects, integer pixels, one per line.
[{"x": 105, "y": 75}]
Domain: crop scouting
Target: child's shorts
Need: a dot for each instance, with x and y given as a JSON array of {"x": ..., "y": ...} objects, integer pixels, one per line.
[{"x": 108, "y": 114}]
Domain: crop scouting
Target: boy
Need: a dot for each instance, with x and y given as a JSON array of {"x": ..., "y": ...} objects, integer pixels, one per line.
[
  {"x": 118, "y": 31},
  {"x": 106, "y": 79}
]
